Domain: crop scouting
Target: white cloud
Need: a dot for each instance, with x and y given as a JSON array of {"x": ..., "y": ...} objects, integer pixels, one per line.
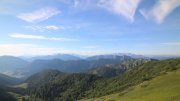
[
  {"x": 26, "y": 49},
  {"x": 39, "y": 15},
  {"x": 172, "y": 43},
  {"x": 85, "y": 4},
  {"x": 161, "y": 10},
  {"x": 52, "y": 27},
  {"x": 26, "y": 36},
  {"x": 126, "y": 8},
  {"x": 33, "y": 50},
  {"x": 44, "y": 28},
  {"x": 38, "y": 37},
  {"x": 81, "y": 4}
]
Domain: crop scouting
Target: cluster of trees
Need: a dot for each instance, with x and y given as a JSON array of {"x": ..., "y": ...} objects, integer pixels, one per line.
[
  {"x": 4, "y": 96},
  {"x": 8, "y": 93},
  {"x": 76, "y": 86},
  {"x": 57, "y": 86}
]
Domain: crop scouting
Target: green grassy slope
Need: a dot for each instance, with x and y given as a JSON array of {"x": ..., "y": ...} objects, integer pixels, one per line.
[
  {"x": 165, "y": 87},
  {"x": 132, "y": 77}
]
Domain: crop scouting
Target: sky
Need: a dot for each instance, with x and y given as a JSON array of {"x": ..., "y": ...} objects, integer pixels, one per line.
[{"x": 89, "y": 27}]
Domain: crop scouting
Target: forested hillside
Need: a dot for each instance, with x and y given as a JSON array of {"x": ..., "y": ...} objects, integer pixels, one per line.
[
  {"x": 7, "y": 80},
  {"x": 76, "y": 86},
  {"x": 117, "y": 69},
  {"x": 52, "y": 85},
  {"x": 4, "y": 96},
  {"x": 164, "y": 87},
  {"x": 133, "y": 77}
]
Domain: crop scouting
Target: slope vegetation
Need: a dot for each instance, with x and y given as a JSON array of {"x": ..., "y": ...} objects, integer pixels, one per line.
[
  {"x": 165, "y": 87},
  {"x": 7, "y": 80},
  {"x": 117, "y": 69},
  {"x": 132, "y": 77},
  {"x": 53, "y": 86}
]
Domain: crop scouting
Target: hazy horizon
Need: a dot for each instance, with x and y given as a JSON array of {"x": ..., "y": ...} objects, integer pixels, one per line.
[{"x": 91, "y": 55}]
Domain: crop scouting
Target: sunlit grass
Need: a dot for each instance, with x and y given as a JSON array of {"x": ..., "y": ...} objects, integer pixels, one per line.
[
  {"x": 162, "y": 88},
  {"x": 23, "y": 85}
]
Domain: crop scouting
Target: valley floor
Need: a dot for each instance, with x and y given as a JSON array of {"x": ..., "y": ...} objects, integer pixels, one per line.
[{"x": 162, "y": 88}]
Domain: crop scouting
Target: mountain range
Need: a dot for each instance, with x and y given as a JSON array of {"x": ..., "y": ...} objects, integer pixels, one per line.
[
  {"x": 20, "y": 68},
  {"x": 8, "y": 63},
  {"x": 93, "y": 78},
  {"x": 73, "y": 87},
  {"x": 63, "y": 57}
]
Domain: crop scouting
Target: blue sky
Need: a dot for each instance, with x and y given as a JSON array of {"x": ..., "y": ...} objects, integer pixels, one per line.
[{"x": 89, "y": 27}]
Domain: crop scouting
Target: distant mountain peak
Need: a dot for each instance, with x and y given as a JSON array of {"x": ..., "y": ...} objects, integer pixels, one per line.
[{"x": 64, "y": 57}]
